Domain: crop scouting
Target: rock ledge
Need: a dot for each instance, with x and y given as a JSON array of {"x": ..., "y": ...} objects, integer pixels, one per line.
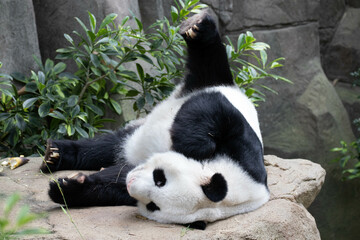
[{"x": 294, "y": 184}]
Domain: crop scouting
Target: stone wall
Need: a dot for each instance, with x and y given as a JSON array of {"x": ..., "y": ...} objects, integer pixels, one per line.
[{"x": 318, "y": 38}]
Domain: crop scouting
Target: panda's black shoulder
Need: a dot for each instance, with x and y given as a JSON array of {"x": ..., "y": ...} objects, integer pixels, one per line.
[{"x": 208, "y": 125}]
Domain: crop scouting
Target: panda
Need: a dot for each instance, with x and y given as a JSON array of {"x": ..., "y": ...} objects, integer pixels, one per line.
[{"x": 196, "y": 158}]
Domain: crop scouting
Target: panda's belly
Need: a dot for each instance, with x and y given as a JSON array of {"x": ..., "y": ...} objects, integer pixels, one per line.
[{"x": 154, "y": 135}]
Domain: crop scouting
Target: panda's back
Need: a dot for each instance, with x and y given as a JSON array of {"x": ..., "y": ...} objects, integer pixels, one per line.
[
  {"x": 220, "y": 121},
  {"x": 202, "y": 125}
]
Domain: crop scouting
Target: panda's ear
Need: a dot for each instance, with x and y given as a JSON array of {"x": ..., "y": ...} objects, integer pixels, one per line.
[{"x": 216, "y": 189}]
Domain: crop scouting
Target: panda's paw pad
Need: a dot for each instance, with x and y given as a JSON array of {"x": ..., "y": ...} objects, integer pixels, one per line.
[
  {"x": 79, "y": 177},
  {"x": 51, "y": 158}
]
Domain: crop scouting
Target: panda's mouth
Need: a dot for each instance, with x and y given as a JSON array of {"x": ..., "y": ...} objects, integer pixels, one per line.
[{"x": 152, "y": 207}]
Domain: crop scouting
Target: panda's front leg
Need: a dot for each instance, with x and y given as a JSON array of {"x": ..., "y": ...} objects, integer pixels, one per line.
[{"x": 85, "y": 154}]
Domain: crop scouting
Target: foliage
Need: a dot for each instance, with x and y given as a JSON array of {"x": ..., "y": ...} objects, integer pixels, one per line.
[
  {"x": 9, "y": 230},
  {"x": 350, "y": 152},
  {"x": 57, "y": 104},
  {"x": 247, "y": 74}
]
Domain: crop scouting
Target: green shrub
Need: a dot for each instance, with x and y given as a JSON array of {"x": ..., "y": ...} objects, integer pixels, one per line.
[{"x": 57, "y": 104}]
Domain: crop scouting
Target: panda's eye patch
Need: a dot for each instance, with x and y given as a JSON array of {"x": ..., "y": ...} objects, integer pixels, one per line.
[{"x": 159, "y": 177}]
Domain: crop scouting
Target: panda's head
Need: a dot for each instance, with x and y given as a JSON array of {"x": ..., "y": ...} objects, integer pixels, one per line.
[{"x": 171, "y": 188}]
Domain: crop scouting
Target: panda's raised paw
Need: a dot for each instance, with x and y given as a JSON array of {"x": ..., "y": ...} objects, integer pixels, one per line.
[{"x": 199, "y": 27}]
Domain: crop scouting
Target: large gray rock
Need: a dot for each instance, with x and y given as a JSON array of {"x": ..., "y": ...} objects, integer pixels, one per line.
[
  {"x": 307, "y": 119},
  {"x": 293, "y": 184},
  {"x": 18, "y": 36},
  {"x": 265, "y": 13},
  {"x": 330, "y": 13},
  {"x": 349, "y": 95},
  {"x": 342, "y": 56}
]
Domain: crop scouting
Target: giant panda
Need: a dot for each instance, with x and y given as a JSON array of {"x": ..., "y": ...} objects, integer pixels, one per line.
[{"x": 196, "y": 158}]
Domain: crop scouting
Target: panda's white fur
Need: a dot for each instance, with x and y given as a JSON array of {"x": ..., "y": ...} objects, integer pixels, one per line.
[{"x": 181, "y": 200}]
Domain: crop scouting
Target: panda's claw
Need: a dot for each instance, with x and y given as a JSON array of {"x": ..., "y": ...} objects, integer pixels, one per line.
[{"x": 51, "y": 158}]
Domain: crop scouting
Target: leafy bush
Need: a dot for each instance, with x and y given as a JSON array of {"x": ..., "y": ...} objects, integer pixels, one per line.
[
  {"x": 350, "y": 152},
  {"x": 10, "y": 230},
  {"x": 58, "y": 104}
]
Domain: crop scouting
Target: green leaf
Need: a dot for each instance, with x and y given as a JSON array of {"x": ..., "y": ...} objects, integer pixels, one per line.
[
  {"x": 20, "y": 122},
  {"x": 72, "y": 100},
  {"x": 140, "y": 25},
  {"x": 132, "y": 93},
  {"x": 263, "y": 56},
  {"x": 69, "y": 39},
  {"x": 174, "y": 14},
  {"x": 109, "y": 18},
  {"x": 82, "y": 24},
  {"x": 125, "y": 19},
  {"x": 140, "y": 103},
  {"x": 96, "y": 71},
  {"x": 92, "y": 20},
  {"x": 241, "y": 41},
  {"x": 29, "y": 102},
  {"x": 57, "y": 115},
  {"x": 70, "y": 129},
  {"x": 82, "y": 132},
  {"x": 95, "y": 60},
  {"x": 95, "y": 109},
  {"x": 75, "y": 111},
  {"x": 59, "y": 68},
  {"x": 49, "y": 64},
  {"x": 140, "y": 71},
  {"x": 149, "y": 99},
  {"x": 116, "y": 106},
  {"x": 44, "y": 109}
]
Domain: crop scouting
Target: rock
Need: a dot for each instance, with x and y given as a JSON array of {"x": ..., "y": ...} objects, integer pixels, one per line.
[
  {"x": 18, "y": 36},
  {"x": 293, "y": 184},
  {"x": 342, "y": 56},
  {"x": 307, "y": 119},
  {"x": 269, "y": 14},
  {"x": 330, "y": 13},
  {"x": 349, "y": 95},
  {"x": 353, "y": 3}
]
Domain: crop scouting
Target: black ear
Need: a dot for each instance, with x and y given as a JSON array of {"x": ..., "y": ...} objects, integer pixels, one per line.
[
  {"x": 216, "y": 189},
  {"x": 201, "y": 225}
]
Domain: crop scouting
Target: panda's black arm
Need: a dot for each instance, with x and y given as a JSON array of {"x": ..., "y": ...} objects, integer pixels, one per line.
[
  {"x": 104, "y": 188},
  {"x": 85, "y": 154},
  {"x": 207, "y": 61}
]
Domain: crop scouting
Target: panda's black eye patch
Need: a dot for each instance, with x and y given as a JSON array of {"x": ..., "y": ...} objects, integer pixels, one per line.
[{"x": 159, "y": 177}]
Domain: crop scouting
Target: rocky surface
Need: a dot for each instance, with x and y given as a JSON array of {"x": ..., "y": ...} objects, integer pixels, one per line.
[{"x": 293, "y": 185}]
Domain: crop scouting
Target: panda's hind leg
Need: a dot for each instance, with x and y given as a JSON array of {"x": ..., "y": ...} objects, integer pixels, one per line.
[{"x": 104, "y": 188}]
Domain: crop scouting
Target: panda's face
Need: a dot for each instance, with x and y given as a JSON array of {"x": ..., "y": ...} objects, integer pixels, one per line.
[{"x": 171, "y": 188}]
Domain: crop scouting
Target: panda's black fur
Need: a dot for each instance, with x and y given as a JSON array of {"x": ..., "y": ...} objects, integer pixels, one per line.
[{"x": 206, "y": 126}]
